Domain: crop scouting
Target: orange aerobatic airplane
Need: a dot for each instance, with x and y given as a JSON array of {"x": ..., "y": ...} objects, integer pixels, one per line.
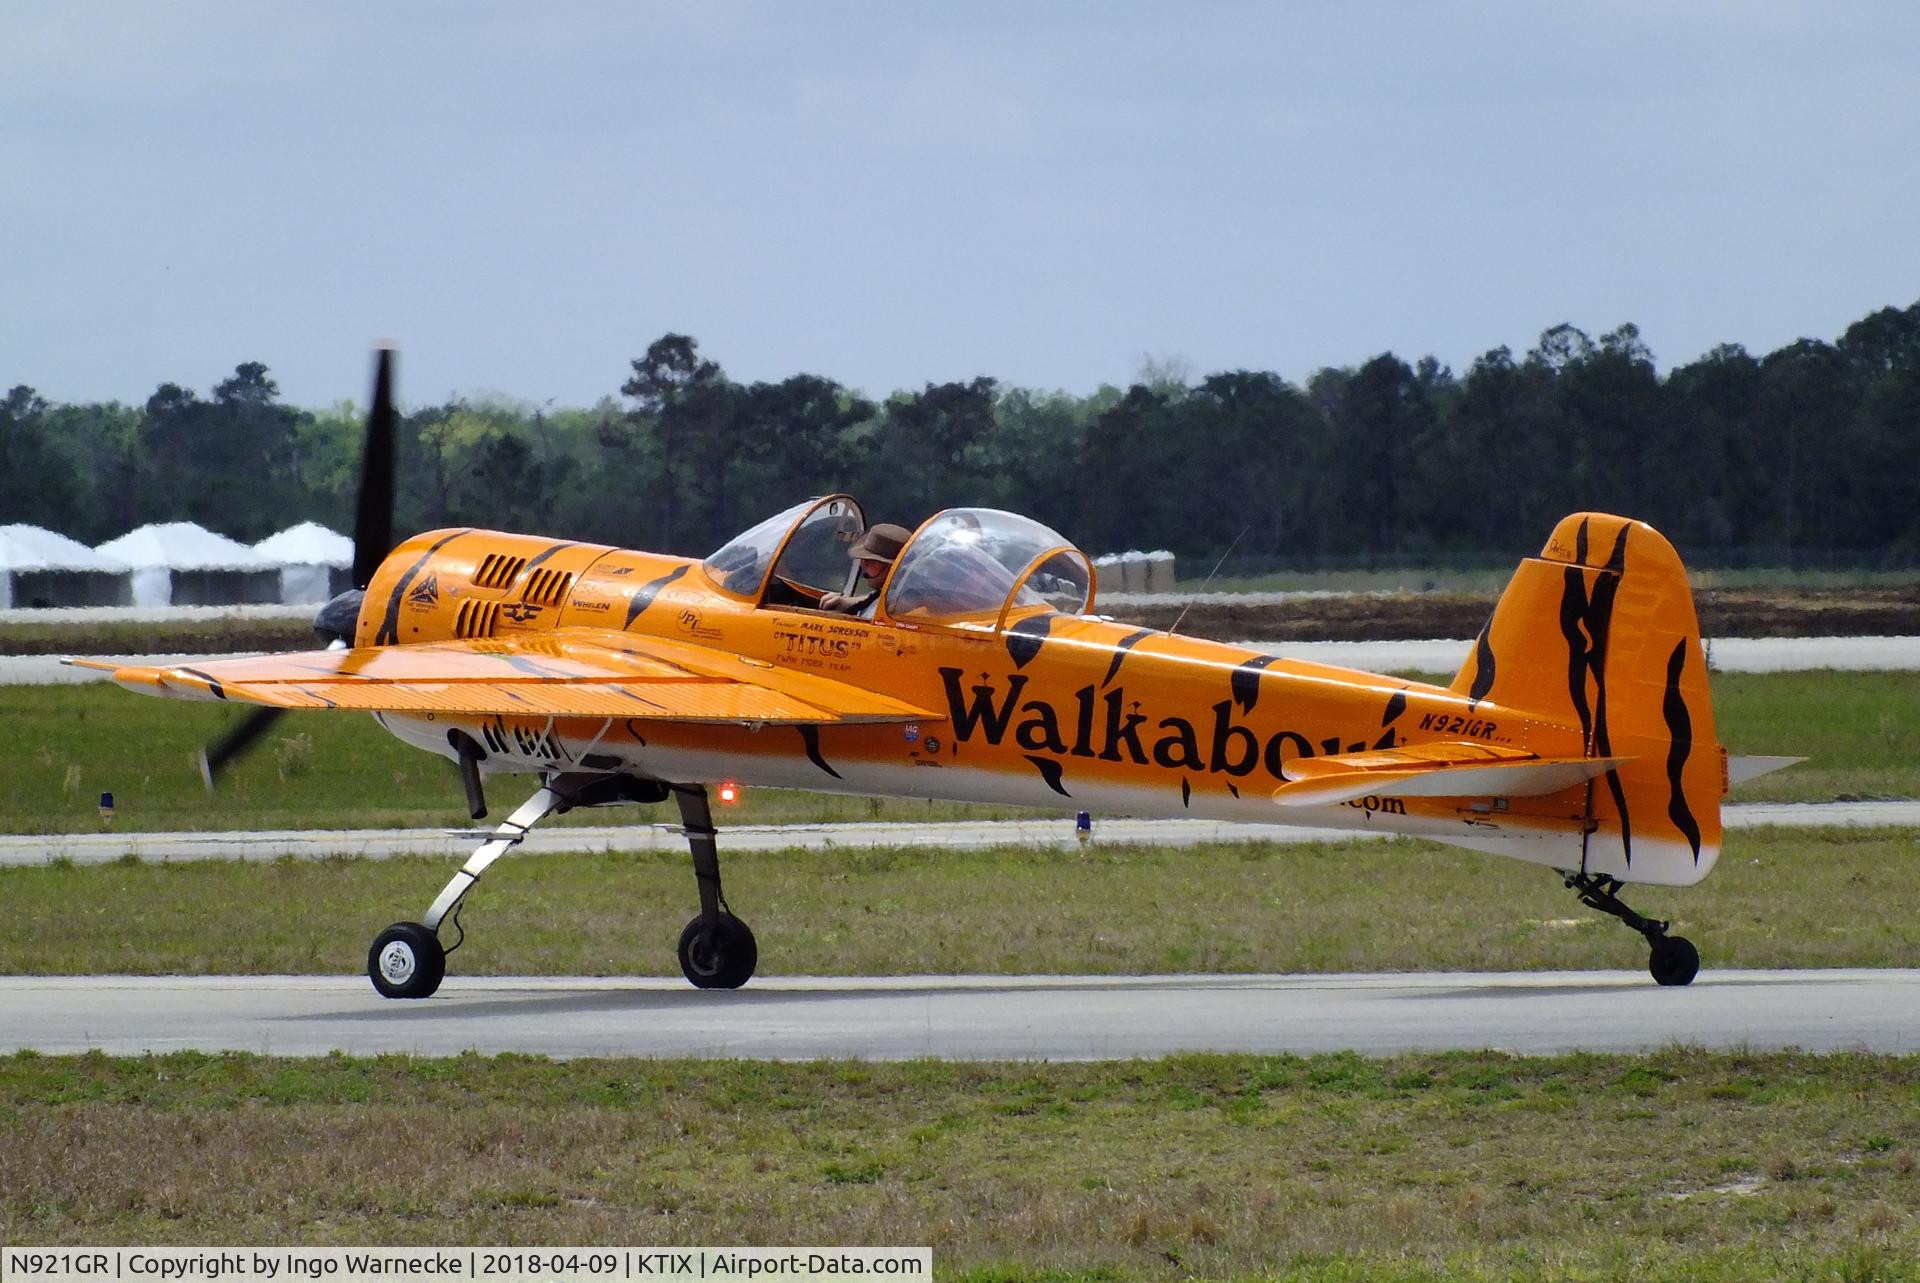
[{"x": 1578, "y": 733}]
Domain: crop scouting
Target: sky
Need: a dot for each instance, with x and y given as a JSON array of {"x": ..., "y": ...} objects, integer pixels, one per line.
[{"x": 522, "y": 197}]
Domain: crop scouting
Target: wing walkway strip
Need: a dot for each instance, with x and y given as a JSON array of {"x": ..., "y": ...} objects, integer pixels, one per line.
[{"x": 102, "y": 848}]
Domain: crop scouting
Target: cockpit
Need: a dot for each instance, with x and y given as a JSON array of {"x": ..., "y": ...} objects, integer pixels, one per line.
[{"x": 965, "y": 567}]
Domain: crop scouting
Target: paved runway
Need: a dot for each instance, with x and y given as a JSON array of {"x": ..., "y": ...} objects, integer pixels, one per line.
[
  {"x": 101, "y": 848},
  {"x": 972, "y": 1017}
]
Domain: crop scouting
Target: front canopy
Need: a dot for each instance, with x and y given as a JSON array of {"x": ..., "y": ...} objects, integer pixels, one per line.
[{"x": 806, "y": 544}]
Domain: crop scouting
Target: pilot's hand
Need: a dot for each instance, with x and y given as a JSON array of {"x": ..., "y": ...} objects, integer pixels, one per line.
[{"x": 838, "y": 601}]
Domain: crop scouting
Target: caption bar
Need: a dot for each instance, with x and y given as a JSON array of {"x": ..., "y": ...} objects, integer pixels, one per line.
[{"x": 469, "y": 1264}]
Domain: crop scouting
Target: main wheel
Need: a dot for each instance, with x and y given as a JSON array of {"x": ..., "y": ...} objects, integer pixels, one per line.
[
  {"x": 406, "y": 961},
  {"x": 1675, "y": 961},
  {"x": 718, "y": 953}
]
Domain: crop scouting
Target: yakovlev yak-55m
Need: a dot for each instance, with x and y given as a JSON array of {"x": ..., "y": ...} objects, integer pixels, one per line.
[{"x": 1578, "y": 733}]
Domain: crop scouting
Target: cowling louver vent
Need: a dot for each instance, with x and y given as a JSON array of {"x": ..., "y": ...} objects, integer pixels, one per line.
[
  {"x": 547, "y": 587},
  {"x": 476, "y": 619},
  {"x": 497, "y": 570}
]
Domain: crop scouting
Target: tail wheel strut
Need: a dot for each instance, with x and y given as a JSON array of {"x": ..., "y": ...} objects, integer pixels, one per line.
[{"x": 1672, "y": 959}]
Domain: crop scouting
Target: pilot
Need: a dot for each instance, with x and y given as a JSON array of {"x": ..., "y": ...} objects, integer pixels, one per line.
[{"x": 874, "y": 551}]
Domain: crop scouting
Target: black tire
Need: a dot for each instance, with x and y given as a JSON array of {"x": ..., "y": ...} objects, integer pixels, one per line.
[
  {"x": 406, "y": 961},
  {"x": 719, "y": 953},
  {"x": 1675, "y": 961}
]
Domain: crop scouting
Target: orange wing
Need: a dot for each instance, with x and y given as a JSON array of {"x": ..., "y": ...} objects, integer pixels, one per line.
[{"x": 555, "y": 675}]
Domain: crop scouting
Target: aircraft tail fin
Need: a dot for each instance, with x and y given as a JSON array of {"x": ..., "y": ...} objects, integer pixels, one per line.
[{"x": 1599, "y": 631}]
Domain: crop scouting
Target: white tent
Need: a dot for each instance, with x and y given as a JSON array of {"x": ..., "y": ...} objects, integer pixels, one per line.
[
  {"x": 41, "y": 568},
  {"x": 313, "y": 561},
  {"x": 177, "y": 563}
]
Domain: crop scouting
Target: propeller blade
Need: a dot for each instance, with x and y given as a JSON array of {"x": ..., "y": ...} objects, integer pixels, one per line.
[
  {"x": 373, "y": 520},
  {"x": 214, "y": 758}
]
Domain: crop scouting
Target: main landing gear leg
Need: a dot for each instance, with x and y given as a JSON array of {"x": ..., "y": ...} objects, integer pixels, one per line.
[
  {"x": 1674, "y": 960},
  {"x": 407, "y": 960},
  {"x": 717, "y": 951}
]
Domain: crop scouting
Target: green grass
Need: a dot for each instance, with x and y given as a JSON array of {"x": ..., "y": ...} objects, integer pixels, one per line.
[
  {"x": 314, "y": 770},
  {"x": 1685, "y": 1165},
  {"x": 213, "y": 634},
  {"x": 68, "y": 744},
  {"x": 1860, "y": 733},
  {"x": 1780, "y": 898}
]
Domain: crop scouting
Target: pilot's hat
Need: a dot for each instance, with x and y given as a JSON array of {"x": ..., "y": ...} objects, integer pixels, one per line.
[{"x": 881, "y": 543}]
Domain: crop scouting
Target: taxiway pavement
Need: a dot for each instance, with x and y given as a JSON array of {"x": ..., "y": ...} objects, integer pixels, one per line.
[
  {"x": 101, "y": 848},
  {"x": 971, "y": 1017}
]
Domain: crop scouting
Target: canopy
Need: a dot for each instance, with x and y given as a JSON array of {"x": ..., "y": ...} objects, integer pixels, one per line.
[
  {"x": 307, "y": 544},
  {"x": 26, "y": 548},
  {"x": 181, "y": 545}
]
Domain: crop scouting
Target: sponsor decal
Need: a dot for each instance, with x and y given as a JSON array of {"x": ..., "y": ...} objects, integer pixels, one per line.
[
  {"x": 425, "y": 595},
  {"x": 912, "y": 733},
  {"x": 1383, "y": 805},
  {"x": 690, "y": 623},
  {"x": 1110, "y": 727}
]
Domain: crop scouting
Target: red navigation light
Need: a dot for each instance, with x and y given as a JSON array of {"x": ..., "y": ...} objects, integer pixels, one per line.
[{"x": 729, "y": 792}]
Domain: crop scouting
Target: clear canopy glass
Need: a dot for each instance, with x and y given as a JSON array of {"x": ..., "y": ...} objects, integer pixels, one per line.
[
  {"x": 810, "y": 540},
  {"x": 980, "y": 563}
]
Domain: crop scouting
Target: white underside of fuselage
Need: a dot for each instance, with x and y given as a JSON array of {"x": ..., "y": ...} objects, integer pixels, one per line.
[{"x": 599, "y": 747}]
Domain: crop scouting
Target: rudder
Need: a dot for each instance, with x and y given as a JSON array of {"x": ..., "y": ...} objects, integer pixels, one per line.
[{"x": 1599, "y": 632}]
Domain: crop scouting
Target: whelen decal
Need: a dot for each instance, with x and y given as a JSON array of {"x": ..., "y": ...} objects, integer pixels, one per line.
[
  {"x": 1680, "y": 726},
  {"x": 389, "y": 631},
  {"x": 643, "y": 595},
  {"x": 1584, "y": 622}
]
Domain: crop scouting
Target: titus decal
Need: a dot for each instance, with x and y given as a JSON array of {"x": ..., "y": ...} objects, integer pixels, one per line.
[{"x": 1108, "y": 726}]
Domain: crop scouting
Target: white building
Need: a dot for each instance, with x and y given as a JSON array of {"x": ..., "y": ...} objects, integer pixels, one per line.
[
  {"x": 177, "y": 563},
  {"x": 41, "y": 568},
  {"x": 315, "y": 563}
]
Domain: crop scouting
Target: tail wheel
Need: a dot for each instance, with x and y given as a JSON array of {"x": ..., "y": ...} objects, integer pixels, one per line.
[
  {"x": 1675, "y": 961},
  {"x": 406, "y": 961},
  {"x": 718, "y": 952}
]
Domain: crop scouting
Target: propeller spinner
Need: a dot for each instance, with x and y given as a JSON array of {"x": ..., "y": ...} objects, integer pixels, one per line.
[{"x": 372, "y": 541}]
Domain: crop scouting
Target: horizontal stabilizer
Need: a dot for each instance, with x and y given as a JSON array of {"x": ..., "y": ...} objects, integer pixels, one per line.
[
  {"x": 1435, "y": 770},
  {"x": 1740, "y": 769}
]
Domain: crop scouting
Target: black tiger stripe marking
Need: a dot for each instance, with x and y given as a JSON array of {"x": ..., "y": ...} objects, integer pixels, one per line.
[
  {"x": 388, "y": 633},
  {"x": 1680, "y": 727},
  {"x": 1246, "y": 681},
  {"x": 1483, "y": 666},
  {"x": 643, "y": 595},
  {"x": 1025, "y": 638},
  {"x": 1585, "y": 620},
  {"x": 1120, "y": 650},
  {"x": 213, "y": 684},
  {"x": 1051, "y": 772},
  {"x": 810, "y": 736}
]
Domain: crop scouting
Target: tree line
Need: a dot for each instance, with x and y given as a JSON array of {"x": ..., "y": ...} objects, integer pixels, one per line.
[{"x": 1807, "y": 451}]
